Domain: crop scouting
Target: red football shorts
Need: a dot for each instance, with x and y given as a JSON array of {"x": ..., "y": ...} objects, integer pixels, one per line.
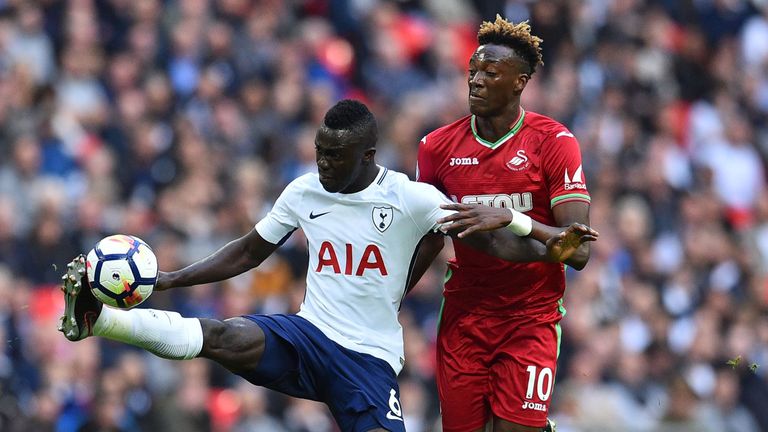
[{"x": 495, "y": 365}]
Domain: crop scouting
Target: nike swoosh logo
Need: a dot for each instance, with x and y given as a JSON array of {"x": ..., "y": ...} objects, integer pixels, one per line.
[
  {"x": 392, "y": 416},
  {"x": 565, "y": 134},
  {"x": 312, "y": 215}
]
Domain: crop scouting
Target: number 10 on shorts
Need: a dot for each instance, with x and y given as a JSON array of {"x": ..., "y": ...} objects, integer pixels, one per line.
[{"x": 543, "y": 383}]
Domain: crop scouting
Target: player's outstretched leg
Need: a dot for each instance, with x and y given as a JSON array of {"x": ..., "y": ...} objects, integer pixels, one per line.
[
  {"x": 236, "y": 343},
  {"x": 166, "y": 334},
  {"x": 81, "y": 307}
]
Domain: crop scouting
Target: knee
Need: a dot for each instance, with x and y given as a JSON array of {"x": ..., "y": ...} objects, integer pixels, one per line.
[
  {"x": 506, "y": 426},
  {"x": 236, "y": 343}
]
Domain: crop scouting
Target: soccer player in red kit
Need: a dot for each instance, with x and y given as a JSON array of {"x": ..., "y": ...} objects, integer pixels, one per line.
[{"x": 499, "y": 334}]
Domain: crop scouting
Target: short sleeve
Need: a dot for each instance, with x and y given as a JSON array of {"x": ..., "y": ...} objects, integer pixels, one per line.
[
  {"x": 425, "y": 171},
  {"x": 423, "y": 201},
  {"x": 563, "y": 169},
  {"x": 281, "y": 219}
]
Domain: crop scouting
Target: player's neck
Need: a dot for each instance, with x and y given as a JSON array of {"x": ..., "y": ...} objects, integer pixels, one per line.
[
  {"x": 365, "y": 179},
  {"x": 494, "y": 128}
]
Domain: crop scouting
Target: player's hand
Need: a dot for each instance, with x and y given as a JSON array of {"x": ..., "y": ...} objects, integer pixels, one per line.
[
  {"x": 565, "y": 244},
  {"x": 163, "y": 281},
  {"x": 470, "y": 218}
]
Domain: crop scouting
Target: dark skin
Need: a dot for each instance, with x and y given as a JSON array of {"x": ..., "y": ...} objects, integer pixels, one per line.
[
  {"x": 559, "y": 248},
  {"x": 472, "y": 218},
  {"x": 345, "y": 162},
  {"x": 496, "y": 80}
]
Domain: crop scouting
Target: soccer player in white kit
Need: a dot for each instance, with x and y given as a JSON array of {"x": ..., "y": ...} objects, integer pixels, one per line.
[{"x": 344, "y": 347}]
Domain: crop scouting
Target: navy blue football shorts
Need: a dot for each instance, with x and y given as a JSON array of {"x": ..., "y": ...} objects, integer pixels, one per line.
[{"x": 299, "y": 360}]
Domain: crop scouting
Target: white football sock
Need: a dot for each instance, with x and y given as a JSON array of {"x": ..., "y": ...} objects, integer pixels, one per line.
[{"x": 163, "y": 333}]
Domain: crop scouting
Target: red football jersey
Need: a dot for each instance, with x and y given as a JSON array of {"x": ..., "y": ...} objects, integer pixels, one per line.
[{"x": 534, "y": 167}]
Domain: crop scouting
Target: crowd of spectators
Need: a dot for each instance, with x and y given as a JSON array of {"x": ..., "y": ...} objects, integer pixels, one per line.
[{"x": 179, "y": 121}]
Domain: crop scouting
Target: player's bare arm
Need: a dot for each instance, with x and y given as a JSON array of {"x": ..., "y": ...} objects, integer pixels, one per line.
[
  {"x": 508, "y": 246},
  {"x": 429, "y": 247},
  {"x": 234, "y": 258},
  {"x": 569, "y": 245},
  {"x": 569, "y": 213},
  {"x": 504, "y": 245}
]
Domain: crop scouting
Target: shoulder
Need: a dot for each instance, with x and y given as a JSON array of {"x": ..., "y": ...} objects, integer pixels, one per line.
[
  {"x": 303, "y": 183},
  {"x": 407, "y": 188},
  {"x": 445, "y": 133},
  {"x": 393, "y": 180},
  {"x": 546, "y": 126},
  {"x": 418, "y": 189},
  {"x": 552, "y": 136}
]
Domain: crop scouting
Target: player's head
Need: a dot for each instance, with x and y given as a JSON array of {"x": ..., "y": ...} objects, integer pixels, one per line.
[
  {"x": 501, "y": 66},
  {"x": 344, "y": 147}
]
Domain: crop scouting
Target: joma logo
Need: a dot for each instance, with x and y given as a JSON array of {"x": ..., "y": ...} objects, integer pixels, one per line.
[
  {"x": 464, "y": 161},
  {"x": 534, "y": 406}
]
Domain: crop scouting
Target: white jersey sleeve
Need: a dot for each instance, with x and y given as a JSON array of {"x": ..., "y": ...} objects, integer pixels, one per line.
[
  {"x": 281, "y": 219},
  {"x": 423, "y": 201}
]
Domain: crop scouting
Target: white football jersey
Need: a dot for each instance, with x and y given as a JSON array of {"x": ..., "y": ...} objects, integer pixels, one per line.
[{"x": 361, "y": 249}]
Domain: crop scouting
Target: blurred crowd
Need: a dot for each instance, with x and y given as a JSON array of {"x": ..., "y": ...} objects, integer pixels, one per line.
[{"x": 179, "y": 121}]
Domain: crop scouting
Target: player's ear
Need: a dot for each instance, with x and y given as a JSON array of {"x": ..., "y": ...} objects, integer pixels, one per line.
[
  {"x": 523, "y": 72},
  {"x": 521, "y": 82},
  {"x": 368, "y": 155}
]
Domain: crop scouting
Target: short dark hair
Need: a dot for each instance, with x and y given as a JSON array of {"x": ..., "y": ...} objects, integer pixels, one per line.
[
  {"x": 517, "y": 37},
  {"x": 351, "y": 115}
]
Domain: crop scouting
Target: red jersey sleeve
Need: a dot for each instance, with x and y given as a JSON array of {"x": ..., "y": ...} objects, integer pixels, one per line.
[
  {"x": 425, "y": 165},
  {"x": 563, "y": 169}
]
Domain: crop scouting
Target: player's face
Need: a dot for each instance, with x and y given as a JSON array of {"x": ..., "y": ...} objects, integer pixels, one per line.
[
  {"x": 341, "y": 158},
  {"x": 496, "y": 79}
]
